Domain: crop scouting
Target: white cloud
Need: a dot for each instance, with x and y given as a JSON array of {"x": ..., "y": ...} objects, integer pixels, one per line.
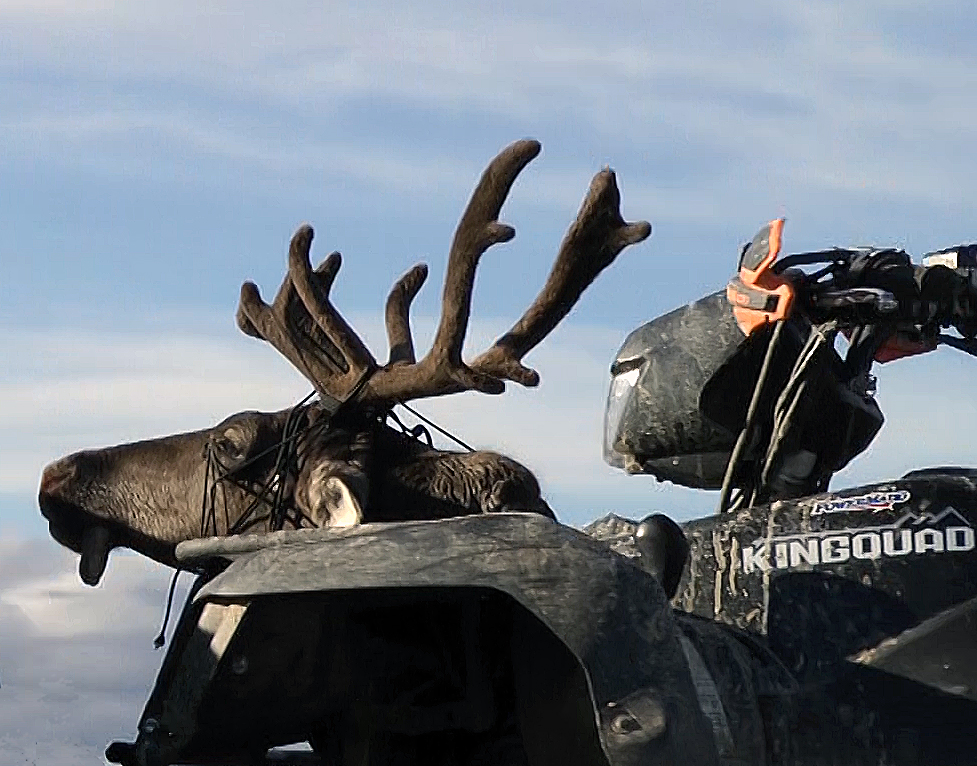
[
  {"x": 76, "y": 663},
  {"x": 403, "y": 170},
  {"x": 86, "y": 390},
  {"x": 55, "y": 135},
  {"x": 62, "y": 607},
  {"x": 838, "y": 104}
]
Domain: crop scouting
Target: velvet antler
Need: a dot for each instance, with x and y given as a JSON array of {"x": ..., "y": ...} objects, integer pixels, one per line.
[{"x": 304, "y": 326}]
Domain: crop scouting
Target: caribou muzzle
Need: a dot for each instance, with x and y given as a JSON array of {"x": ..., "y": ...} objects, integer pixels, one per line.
[
  {"x": 69, "y": 524},
  {"x": 91, "y": 508}
]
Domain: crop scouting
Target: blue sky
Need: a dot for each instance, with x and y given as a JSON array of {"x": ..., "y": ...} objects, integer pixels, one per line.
[{"x": 155, "y": 156}]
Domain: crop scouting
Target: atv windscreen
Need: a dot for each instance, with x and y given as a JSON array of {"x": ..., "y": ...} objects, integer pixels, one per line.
[{"x": 682, "y": 385}]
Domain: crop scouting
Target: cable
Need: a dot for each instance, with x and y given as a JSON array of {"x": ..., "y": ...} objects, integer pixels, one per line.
[
  {"x": 751, "y": 412},
  {"x": 160, "y": 641},
  {"x": 436, "y": 427}
]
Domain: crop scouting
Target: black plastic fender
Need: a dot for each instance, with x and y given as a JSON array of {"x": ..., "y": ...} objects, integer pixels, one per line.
[{"x": 598, "y": 666}]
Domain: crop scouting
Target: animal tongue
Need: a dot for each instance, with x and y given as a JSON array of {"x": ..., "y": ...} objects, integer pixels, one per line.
[{"x": 94, "y": 554}]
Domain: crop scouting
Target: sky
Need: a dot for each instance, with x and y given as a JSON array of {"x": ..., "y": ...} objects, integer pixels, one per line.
[{"x": 154, "y": 156}]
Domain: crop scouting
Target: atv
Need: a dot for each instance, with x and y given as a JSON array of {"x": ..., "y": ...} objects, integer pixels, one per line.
[
  {"x": 796, "y": 626},
  {"x": 867, "y": 596}
]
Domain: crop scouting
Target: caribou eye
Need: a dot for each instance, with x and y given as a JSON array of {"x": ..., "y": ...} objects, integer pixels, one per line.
[{"x": 227, "y": 448}]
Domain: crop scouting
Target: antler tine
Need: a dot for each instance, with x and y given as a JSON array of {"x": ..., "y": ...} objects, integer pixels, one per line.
[
  {"x": 477, "y": 231},
  {"x": 303, "y": 325},
  {"x": 314, "y": 293},
  {"x": 442, "y": 370},
  {"x": 399, "y": 336},
  {"x": 593, "y": 241},
  {"x": 326, "y": 272}
]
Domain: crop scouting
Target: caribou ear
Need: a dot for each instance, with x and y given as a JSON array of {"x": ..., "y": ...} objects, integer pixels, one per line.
[
  {"x": 332, "y": 493},
  {"x": 343, "y": 508}
]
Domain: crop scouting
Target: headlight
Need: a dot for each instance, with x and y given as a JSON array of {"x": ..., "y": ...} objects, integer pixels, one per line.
[{"x": 622, "y": 389}]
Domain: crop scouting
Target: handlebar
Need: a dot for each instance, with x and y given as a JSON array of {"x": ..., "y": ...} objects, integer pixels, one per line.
[
  {"x": 884, "y": 304},
  {"x": 940, "y": 292},
  {"x": 858, "y": 288}
]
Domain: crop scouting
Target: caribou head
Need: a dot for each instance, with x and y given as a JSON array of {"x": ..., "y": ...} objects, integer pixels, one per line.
[{"x": 333, "y": 461}]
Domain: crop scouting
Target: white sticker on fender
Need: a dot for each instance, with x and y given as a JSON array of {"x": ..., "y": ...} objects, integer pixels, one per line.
[
  {"x": 947, "y": 532},
  {"x": 873, "y": 501}
]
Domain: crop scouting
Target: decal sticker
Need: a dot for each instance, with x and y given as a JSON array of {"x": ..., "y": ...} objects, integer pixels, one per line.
[
  {"x": 874, "y": 501},
  {"x": 947, "y": 532}
]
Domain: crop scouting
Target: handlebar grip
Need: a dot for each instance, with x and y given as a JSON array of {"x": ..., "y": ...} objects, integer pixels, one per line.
[
  {"x": 948, "y": 295},
  {"x": 864, "y": 304}
]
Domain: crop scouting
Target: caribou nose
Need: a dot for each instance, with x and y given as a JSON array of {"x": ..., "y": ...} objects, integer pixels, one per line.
[{"x": 56, "y": 475}]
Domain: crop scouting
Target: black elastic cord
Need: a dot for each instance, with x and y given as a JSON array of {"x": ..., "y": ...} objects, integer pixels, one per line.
[
  {"x": 286, "y": 449},
  {"x": 270, "y": 493},
  {"x": 836, "y": 255},
  {"x": 436, "y": 427},
  {"x": 740, "y": 446},
  {"x": 355, "y": 391},
  {"x": 788, "y": 403},
  {"x": 418, "y": 432},
  {"x": 290, "y": 434},
  {"x": 160, "y": 641}
]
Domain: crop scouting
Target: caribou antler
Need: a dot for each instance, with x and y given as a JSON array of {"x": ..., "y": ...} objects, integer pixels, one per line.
[
  {"x": 593, "y": 241},
  {"x": 398, "y": 315},
  {"x": 304, "y": 326},
  {"x": 442, "y": 370}
]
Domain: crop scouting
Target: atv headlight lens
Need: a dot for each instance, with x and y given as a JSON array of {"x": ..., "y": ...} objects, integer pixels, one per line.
[{"x": 622, "y": 389}]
